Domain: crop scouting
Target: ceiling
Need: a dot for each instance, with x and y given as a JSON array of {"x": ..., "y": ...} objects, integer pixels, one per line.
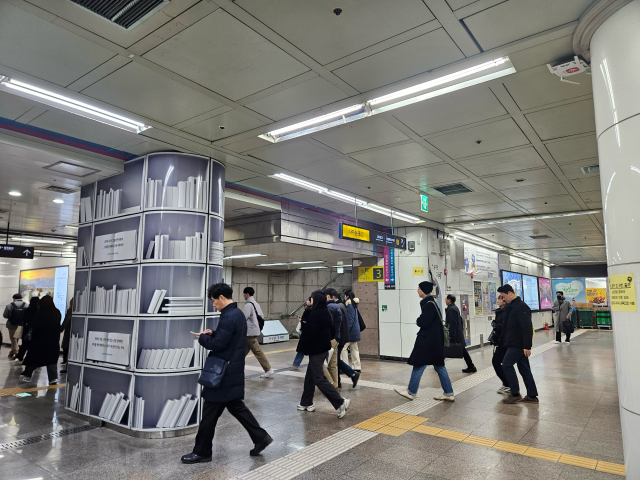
[{"x": 516, "y": 142}]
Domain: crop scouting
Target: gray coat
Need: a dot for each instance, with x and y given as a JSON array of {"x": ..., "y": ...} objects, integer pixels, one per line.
[
  {"x": 562, "y": 310},
  {"x": 253, "y": 329}
]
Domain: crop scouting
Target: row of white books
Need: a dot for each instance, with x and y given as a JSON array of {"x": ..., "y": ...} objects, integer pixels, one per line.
[
  {"x": 113, "y": 407},
  {"x": 113, "y": 301},
  {"x": 75, "y": 397},
  {"x": 175, "y": 305},
  {"x": 191, "y": 193},
  {"x": 138, "y": 413},
  {"x": 169, "y": 358},
  {"x": 177, "y": 413},
  {"x": 81, "y": 258},
  {"x": 216, "y": 252},
  {"x": 108, "y": 203},
  {"x": 85, "y": 405},
  {"x": 75, "y": 348},
  {"x": 86, "y": 212},
  {"x": 191, "y": 248},
  {"x": 81, "y": 300}
]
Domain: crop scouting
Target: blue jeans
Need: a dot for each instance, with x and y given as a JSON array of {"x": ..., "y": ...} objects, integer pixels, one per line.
[
  {"x": 416, "y": 375},
  {"x": 298, "y": 360},
  {"x": 342, "y": 366},
  {"x": 516, "y": 356}
]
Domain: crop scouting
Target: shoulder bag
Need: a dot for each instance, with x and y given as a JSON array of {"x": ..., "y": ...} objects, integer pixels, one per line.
[
  {"x": 259, "y": 317},
  {"x": 214, "y": 369},
  {"x": 451, "y": 349},
  {"x": 360, "y": 320}
]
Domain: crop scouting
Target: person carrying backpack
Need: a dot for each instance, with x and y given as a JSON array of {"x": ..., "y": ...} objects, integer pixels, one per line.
[
  {"x": 253, "y": 314},
  {"x": 13, "y": 313}
]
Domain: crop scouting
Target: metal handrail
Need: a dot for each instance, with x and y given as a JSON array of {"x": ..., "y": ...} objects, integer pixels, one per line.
[{"x": 305, "y": 302}]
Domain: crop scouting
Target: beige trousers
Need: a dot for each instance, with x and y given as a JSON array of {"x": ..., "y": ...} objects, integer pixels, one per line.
[
  {"x": 331, "y": 372},
  {"x": 254, "y": 346},
  {"x": 355, "y": 355},
  {"x": 14, "y": 341}
]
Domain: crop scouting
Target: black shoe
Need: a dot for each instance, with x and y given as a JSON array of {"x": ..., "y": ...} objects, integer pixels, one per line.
[
  {"x": 471, "y": 369},
  {"x": 260, "y": 446},
  {"x": 355, "y": 378},
  {"x": 528, "y": 399},
  {"x": 63, "y": 371},
  {"x": 339, "y": 384},
  {"x": 512, "y": 399},
  {"x": 193, "y": 458}
]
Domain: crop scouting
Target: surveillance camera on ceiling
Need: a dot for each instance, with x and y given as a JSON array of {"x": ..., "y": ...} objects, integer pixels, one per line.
[{"x": 337, "y": 11}]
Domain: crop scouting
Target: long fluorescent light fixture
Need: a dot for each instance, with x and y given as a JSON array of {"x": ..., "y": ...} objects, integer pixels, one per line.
[
  {"x": 246, "y": 255},
  {"x": 37, "y": 240},
  {"x": 71, "y": 105},
  {"x": 287, "y": 263},
  {"x": 528, "y": 257},
  {"x": 531, "y": 217},
  {"x": 347, "y": 198},
  {"x": 467, "y": 77},
  {"x": 311, "y": 268}
]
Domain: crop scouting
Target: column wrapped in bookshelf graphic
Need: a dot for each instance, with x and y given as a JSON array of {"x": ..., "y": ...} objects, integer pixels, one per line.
[{"x": 150, "y": 242}]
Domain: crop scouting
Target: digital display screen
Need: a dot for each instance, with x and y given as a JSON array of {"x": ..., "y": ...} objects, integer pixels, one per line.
[
  {"x": 513, "y": 279},
  {"x": 46, "y": 281},
  {"x": 546, "y": 295},
  {"x": 530, "y": 288}
]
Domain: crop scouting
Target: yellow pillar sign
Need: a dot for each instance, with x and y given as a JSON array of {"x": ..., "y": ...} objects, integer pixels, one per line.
[
  {"x": 370, "y": 274},
  {"x": 349, "y": 231},
  {"x": 622, "y": 291},
  {"x": 418, "y": 271}
]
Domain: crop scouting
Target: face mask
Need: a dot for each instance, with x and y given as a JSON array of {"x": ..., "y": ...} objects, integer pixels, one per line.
[{"x": 559, "y": 297}]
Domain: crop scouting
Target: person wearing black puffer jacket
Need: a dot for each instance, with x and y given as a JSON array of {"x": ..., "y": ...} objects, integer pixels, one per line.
[
  {"x": 227, "y": 342},
  {"x": 315, "y": 341},
  {"x": 498, "y": 342}
]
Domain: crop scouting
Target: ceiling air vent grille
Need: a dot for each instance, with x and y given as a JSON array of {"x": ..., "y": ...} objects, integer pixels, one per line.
[
  {"x": 538, "y": 237},
  {"x": 65, "y": 190},
  {"x": 126, "y": 13},
  {"x": 453, "y": 189},
  {"x": 591, "y": 169}
]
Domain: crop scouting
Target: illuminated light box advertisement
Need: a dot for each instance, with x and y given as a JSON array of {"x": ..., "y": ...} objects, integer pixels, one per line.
[
  {"x": 573, "y": 289},
  {"x": 596, "y": 290},
  {"x": 513, "y": 279},
  {"x": 530, "y": 288},
  {"x": 109, "y": 347},
  {"x": 478, "y": 260},
  {"x": 46, "y": 281},
  {"x": 546, "y": 295}
]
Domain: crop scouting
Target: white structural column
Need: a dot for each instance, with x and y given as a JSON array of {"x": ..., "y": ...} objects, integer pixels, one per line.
[{"x": 615, "y": 54}]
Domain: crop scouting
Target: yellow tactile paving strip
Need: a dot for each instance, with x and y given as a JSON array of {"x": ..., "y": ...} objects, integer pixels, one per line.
[
  {"x": 14, "y": 390},
  {"x": 396, "y": 424}
]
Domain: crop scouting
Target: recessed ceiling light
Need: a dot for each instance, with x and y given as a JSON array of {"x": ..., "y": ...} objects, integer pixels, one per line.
[
  {"x": 520, "y": 179},
  {"x": 58, "y": 200},
  {"x": 15, "y": 193}
]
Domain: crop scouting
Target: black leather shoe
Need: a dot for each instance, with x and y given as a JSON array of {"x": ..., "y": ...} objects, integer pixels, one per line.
[
  {"x": 193, "y": 458},
  {"x": 470, "y": 370},
  {"x": 260, "y": 446},
  {"x": 355, "y": 378}
]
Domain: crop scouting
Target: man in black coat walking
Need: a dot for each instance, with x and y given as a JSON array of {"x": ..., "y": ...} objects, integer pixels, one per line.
[
  {"x": 227, "y": 342},
  {"x": 518, "y": 338},
  {"x": 429, "y": 347},
  {"x": 456, "y": 331}
]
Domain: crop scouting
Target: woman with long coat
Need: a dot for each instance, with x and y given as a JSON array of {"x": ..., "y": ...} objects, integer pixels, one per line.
[
  {"x": 315, "y": 342},
  {"x": 44, "y": 349},
  {"x": 27, "y": 320},
  {"x": 429, "y": 347},
  {"x": 354, "y": 331},
  {"x": 563, "y": 309}
]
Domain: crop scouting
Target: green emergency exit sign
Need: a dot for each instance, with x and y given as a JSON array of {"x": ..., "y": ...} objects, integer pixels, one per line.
[{"x": 424, "y": 203}]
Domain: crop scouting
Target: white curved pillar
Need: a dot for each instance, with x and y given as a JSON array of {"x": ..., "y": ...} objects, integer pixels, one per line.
[{"x": 615, "y": 54}]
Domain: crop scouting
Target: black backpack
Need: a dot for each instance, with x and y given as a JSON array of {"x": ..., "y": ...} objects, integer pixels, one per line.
[
  {"x": 259, "y": 317},
  {"x": 15, "y": 318}
]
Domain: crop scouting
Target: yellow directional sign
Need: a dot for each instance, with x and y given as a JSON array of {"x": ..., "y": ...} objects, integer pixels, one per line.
[
  {"x": 349, "y": 231},
  {"x": 370, "y": 274},
  {"x": 418, "y": 271}
]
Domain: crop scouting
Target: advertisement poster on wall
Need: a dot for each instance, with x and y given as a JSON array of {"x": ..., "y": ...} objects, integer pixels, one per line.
[
  {"x": 513, "y": 279},
  {"x": 493, "y": 296},
  {"x": 478, "y": 260},
  {"x": 477, "y": 297},
  {"x": 486, "y": 299},
  {"x": 530, "y": 289},
  {"x": 573, "y": 288},
  {"x": 546, "y": 295},
  {"x": 596, "y": 290}
]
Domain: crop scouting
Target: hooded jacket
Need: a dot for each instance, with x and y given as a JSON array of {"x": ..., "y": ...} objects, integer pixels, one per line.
[{"x": 352, "y": 320}]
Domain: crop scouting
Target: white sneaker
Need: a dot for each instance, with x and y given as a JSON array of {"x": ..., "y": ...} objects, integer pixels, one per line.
[
  {"x": 342, "y": 411},
  {"x": 268, "y": 374},
  {"x": 445, "y": 398},
  {"x": 504, "y": 389},
  {"x": 22, "y": 378},
  {"x": 404, "y": 393},
  {"x": 310, "y": 408},
  {"x": 294, "y": 366},
  {"x": 567, "y": 343},
  {"x": 53, "y": 382},
  {"x": 557, "y": 341}
]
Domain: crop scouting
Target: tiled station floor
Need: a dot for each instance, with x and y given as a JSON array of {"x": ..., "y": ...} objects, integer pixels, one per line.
[{"x": 577, "y": 415}]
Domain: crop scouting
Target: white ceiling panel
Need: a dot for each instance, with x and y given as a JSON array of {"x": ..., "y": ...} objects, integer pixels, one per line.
[
  {"x": 582, "y": 221},
  {"x": 310, "y": 198},
  {"x": 292, "y": 154},
  {"x": 493, "y": 208},
  {"x": 12, "y": 106},
  {"x": 458, "y": 4},
  {"x": 561, "y": 203},
  {"x": 532, "y": 226},
  {"x": 334, "y": 171},
  {"x": 425, "y": 177},
  {"x": 80, "y": 127},
  {"x": 365, "y": 186},
  {"x": 142, "y": 145},
  {"x": 269, "y": 185},
  {"x": 590, "y": 184},
  {"x": 400, "y": 157},
  {"x": 557, "y": 122},
  {"x": 360, "y": 135},
  {"x": 247, "y": 144},
  {"x": 506, "y": 161},
  {"x": 537, "y": 191},
  {"x": 449, "y": 111},
  {"x": 224, "y": 55},
  {"x": 37, "y": 47},
  {"x": 140, "y": 90},
  {"x": 573, "y": 149},
  {"x": 303, "y": 97},
  {"x": 493, "y": 136},
  {"x": 313, "y": 27},
  {"x": 468, "y": 199},
  {"x": 537, "y": 86},
  {"x": 234, "y": 174},
  {"x": 340, "y": 207},
  {"x": 453, "y": 219},
  {"x": 399, "y": 200},
  {"x": 516, "y": 19},
  {"x": 573, "y": 170},
  {"x": 592, "y": 197},
  {"x": 234, "y": 122},
  {"x": 419, "y": 55},
  {"x": 531, "y": 177}
]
